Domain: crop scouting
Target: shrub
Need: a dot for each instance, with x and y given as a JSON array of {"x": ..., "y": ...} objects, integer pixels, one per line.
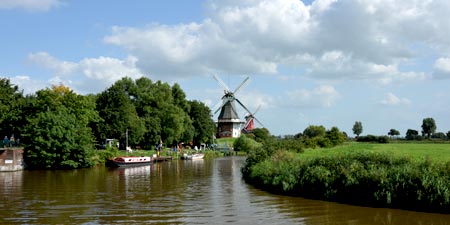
[{"x": 363, "y": 178}]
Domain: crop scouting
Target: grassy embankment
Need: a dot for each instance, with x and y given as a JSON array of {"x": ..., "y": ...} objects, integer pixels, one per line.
[{"x": 409, "y": 176}]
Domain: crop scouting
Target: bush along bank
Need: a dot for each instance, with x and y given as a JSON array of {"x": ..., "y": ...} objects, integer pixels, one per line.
[{"x": 360, "y": 178}]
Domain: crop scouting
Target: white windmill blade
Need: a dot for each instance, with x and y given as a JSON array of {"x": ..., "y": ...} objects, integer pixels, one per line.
[
  {"x": 216, "y": 106},
  {"x": 221, "y": 83},
  {"x": 257, "y": 109},
  {"x": 224, "y": 102},
  {"x": 258, "y": 121},
  {"x": 242, "y": 84}
]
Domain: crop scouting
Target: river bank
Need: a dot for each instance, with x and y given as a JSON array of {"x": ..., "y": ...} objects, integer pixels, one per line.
[{"x": 361, "y": 174}]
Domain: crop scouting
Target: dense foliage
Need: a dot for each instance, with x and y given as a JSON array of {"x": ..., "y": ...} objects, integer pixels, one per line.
[
  {"x": 373, "y": 138},
  {"x": 365, "y": 178},
  {"x": 59, "y": 128},
  {"x": 257, "y": 153},
  {"x": 57, "y": 133}
]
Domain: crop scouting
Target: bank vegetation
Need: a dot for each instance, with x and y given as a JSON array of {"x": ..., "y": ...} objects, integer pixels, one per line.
[{"x": 407, "y": 176}]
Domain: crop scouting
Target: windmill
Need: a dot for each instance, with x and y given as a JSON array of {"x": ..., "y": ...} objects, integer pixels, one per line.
[
  {"x": 250, "y": 121},
  {"x": 228, "y": 122}
]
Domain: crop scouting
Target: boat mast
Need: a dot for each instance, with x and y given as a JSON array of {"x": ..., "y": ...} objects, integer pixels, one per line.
[{"x": 126, "y": 143}]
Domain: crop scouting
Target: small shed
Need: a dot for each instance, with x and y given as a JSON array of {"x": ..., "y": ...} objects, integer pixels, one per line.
[{"x": 11, "y": 159}]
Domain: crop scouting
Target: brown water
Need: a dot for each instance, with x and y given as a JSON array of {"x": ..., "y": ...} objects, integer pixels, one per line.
[{"x": 177, "y": 192}]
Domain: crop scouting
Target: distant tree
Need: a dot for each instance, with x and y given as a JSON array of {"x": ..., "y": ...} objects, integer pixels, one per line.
[
  {"x": 448, "y": 134},
  {"x": 357, "y": 128},
  {"x": 411, "y": 134},
  {"x": 439, "y": 135},
  {"x": 314, "y": 131},
  {"x": 393, "y": 132},
  {"x": 336, "y": 136},
  {"x": 261, "y": 134},
  {"x": 428, "y": 126},
  {"x": 245, "y": 144}
]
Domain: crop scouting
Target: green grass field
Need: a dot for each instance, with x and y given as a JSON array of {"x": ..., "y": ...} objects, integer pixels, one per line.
[{"x": 437, "y": 152}]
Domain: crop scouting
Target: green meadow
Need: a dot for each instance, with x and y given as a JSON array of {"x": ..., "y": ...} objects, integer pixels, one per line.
[{"x": 436, "y": 152}]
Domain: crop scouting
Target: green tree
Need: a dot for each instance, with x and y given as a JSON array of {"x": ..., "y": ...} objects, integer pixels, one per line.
[
  {"x": 428, "y": 126},
  {"x": 11, "y": 102},
  {"x": 245, "y": 144},
  {"x": 357, "y": 128},
  {"x": 57, "y": 135},
  {"x": 118, "y": 114},
  {"x": 261, "y": 134},
  {"x": 393, "y": 132},
  {"x": 314, "y": 131},
  {"x": 57, "y": 141},
  {"x": 204, "y": 126},
  {"x": 335, "y": 136},
  {"x": 411, "y": 134}
]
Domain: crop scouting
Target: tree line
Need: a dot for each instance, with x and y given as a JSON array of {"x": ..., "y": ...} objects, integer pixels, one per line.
[
  {"x": 428, "y": 131},
  {"x": 59, "y": 128}
]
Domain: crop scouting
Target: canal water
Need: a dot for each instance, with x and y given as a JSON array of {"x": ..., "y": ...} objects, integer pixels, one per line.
[{"x": 176, "y": 192}]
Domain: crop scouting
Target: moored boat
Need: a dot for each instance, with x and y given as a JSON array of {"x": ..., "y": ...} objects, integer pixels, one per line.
[
  {"x": 122, "y": 161},
  {"x": 193, "y": 156}
]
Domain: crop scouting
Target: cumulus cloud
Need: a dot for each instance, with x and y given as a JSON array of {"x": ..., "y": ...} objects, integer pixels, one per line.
[
  {"x": 393, "y": 100},
  {"x": 441, "y": 68},
  {"x": 321, "y": 96},
  {"x": 97, "y": 73},
  {"x": 30, "y": 5},
  {"x": 31, "y": 85},
  {"x": 355, "y": 39}
]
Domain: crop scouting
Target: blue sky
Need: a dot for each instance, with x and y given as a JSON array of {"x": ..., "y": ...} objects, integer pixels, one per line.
[{"x": 324, "y": 62}]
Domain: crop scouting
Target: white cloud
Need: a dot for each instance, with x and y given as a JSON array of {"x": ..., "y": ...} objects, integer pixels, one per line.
[
  {"x": 321, "y": 96},
  {"x": 441, "y": 68},
  {"x": 356, "y": 39},
  {"x": 89, "y": 74},
  {"x": 31, "y": 85},
  {"x": 30, "y": 5},
  {"x": 49, "y": 62},
  {"x": 393, "y": 100}
]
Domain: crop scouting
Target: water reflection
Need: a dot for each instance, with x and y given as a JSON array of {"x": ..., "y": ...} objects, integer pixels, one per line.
[{"x": 177, "y": 192}]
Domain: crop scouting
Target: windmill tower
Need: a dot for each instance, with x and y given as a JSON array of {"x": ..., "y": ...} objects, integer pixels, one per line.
[
  {"x": 250, "y": 121},
  {"x": 228, "y": 122}
]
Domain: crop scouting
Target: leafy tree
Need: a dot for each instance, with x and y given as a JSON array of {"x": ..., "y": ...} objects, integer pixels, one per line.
[
  {"x": 204, "y": 126},
  {"x": 428, "y": 126},
  {"x": 393, "y": 132},
  {"x": 261, "y": 134},
  {"x": 335, "y": 136},
  {"x": 314, "y": 131},
  {"x": 448, "y": 134},
  {"x": 11, "y": 102},
  {"x": 57, "y": 133},
  {"x": 357, "y": 128},
  {"x": 439, "y": 135},
  {"x": 245, "y": 144},
  {"x": 57, "y": 141},
  {"x": 411, "y": 134},
  {"x": 118, "y": 114}
]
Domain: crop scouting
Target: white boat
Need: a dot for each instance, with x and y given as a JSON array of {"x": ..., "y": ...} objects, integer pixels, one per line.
[
  {"x": 193, "y": 156},
  {"x": 122, "y": 161}
]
